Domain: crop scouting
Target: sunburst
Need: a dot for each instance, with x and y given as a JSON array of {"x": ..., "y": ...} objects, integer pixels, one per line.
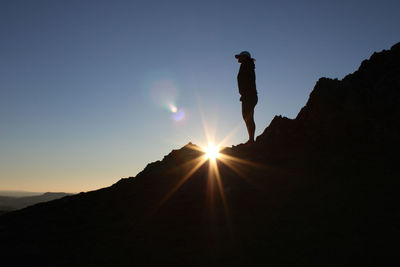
[
  {"x": 211, "y": 151},
  {"x": 213, "y": 154}
]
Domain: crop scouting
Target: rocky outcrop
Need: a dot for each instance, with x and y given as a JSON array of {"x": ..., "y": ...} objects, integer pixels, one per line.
[
  {"x": 259, "y": 208},
  {"x": 363, "y": 109}
]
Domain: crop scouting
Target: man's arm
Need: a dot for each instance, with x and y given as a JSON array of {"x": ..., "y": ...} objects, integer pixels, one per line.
[{"x": 245, "y": 80}]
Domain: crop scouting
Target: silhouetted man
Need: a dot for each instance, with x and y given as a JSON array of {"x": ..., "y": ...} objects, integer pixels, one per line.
[{"x": 247, "y": 88}]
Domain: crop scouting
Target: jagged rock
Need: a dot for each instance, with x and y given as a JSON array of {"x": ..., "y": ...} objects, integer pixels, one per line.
[
  {"x": 363, "y": 109},
  {"x": 320, "y": 189}
]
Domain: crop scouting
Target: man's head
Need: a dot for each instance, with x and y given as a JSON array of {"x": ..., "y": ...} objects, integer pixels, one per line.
[{"x": 244, "y": 55}]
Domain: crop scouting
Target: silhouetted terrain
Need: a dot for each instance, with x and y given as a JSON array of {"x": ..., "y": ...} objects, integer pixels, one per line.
[
  {"x": 14, "y": 203},
  {"x": 318, "y": 190},
  {"x": 11, "y": 193}
]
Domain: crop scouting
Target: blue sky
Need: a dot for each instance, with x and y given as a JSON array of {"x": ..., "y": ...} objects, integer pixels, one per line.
[{"x": 86, "y": 87}]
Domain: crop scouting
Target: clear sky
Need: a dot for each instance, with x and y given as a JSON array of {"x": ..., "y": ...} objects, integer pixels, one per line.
[{"x": 87, "y": 88}]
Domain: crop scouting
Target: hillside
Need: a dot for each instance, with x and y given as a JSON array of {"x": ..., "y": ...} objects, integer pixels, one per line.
[
  {"x": 318, "y": 190},
  {"x": 8, "y": 203}
]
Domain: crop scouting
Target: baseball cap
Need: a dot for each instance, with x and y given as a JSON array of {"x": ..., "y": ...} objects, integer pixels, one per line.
[{"x": 243, "y": 53}]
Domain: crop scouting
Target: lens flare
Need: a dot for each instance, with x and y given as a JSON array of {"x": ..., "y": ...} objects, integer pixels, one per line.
[
  {"x": 173, "y": 108},
  {"x": 178, "y": 115}
]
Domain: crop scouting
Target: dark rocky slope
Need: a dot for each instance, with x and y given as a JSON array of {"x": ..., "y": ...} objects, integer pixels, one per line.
[
  {"x": 319, "y": 190},
  {"x": 362, "y": 109},
  {"x": 8, "y": 203}
]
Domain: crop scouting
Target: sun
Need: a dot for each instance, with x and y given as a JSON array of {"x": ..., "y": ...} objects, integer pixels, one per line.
[{"x": 211, "y": 152}]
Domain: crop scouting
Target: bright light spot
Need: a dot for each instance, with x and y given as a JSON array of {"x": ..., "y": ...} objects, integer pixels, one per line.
[
  {"x": 173, "y": 108},
  {"x": 178, "y": 115},
  {"x": 212, "y": 151}
]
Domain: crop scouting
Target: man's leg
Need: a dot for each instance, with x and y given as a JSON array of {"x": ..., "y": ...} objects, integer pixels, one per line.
[
  {"x": 250, "y": 124},
  {"x": 248, "y": 116}
]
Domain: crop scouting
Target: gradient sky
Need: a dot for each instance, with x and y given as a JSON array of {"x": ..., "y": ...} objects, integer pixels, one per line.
[{"x": 86, "y": 87}]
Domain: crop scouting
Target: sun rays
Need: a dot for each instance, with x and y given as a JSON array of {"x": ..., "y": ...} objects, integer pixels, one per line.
[
  {"x": 211, "y": 151},
  {"x": 214, "y": 167},
  {"x": 214, "y": 156}
]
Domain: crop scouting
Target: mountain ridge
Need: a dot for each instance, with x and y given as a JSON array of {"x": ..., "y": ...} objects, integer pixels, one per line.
[
  {"x": 10, "y": 203},
  {"x": 320, "y": 189},
  {"x": 357, "y": 110}
]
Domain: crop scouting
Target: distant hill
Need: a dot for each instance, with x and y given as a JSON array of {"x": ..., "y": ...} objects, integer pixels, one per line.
[
  {"x": 8, "y": 203},
  {"x": 18, "y": 193},
  {"x": 319, "y": 190}
]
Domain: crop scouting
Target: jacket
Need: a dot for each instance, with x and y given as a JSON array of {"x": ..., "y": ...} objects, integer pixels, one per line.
[{"x": 247, "y": 80}]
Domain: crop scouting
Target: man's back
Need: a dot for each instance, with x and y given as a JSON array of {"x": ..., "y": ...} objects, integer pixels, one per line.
[{"x": 247, "y": 79}]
